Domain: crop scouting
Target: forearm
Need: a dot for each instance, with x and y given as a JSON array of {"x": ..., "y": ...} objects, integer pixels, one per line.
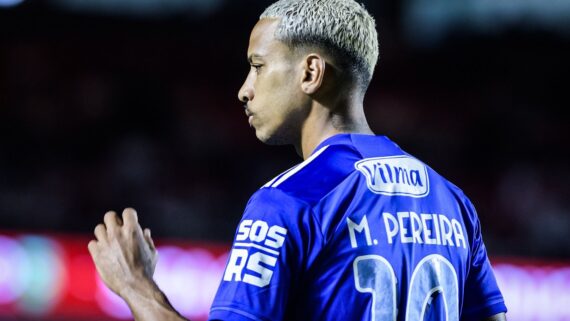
[{"x": 148, "y": 303}]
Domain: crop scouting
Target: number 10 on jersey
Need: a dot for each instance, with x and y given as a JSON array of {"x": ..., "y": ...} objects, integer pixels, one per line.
[{"x": 434, "y": 275}]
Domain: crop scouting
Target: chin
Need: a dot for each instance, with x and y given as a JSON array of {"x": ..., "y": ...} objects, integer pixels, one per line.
[{"x": 273, "y": 139}]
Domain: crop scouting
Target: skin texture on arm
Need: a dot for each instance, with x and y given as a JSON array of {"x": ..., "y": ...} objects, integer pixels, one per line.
[
  {"x": 125, "y": 258},
  {"x": 496, "y": 317}
]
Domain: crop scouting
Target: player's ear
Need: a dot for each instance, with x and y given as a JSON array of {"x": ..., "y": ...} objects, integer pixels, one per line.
[{"x": 313, "y": 73}]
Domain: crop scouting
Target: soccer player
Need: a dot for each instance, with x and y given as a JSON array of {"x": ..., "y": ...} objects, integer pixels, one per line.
[{"x": 360, "y": 230}]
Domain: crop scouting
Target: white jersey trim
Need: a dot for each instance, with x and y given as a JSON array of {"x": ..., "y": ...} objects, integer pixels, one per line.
[
  {"x": 268, "y": 184},
  {"x": 299, "y": 167}
]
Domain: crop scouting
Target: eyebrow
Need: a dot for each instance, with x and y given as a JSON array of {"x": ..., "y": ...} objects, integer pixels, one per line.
[{"x": 254, "y": 56}]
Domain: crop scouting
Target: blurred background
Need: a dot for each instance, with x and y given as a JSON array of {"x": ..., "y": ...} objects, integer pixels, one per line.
[{"x": 106, "y": 104}]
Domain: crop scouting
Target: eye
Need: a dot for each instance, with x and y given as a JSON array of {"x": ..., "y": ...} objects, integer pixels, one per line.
[{"x": 257, "y": 68}]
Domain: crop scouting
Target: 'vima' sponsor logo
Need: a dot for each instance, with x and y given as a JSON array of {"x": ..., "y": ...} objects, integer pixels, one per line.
[
  {"x": 399, "y": 175},
  {"x": 255, "y": 252}
]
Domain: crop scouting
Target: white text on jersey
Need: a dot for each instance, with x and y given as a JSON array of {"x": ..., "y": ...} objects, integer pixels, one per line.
[
  {"x": 410, "y": 227},
  {"x": 259, "y": 236},
  {"x": 395, "y": 176}
]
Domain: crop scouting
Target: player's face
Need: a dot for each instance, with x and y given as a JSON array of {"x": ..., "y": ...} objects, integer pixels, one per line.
[{"x": 275, "y": 104}]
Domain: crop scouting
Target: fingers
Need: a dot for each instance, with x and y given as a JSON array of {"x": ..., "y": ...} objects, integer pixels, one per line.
[
  {"x": 92, "y": 246},
  {"x": 149, "y": 239},
  {"x": 112, "y": 224},
  {"x": 100, "y": 232},
  {"x": 112, "y": 221},
  {"x": 130, "y": 218}
]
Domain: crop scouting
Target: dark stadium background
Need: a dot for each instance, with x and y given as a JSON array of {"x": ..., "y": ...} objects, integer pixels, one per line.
[{"x": 104, "y": 106}]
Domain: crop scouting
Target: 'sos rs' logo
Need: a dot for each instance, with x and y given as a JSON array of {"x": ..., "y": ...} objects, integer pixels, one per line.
[{"x": 255, "y": 253}]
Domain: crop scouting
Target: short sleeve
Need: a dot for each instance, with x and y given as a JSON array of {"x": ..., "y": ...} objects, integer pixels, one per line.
[
  {"x": 482, "y": 295},
  {"x": 271, "y": 244}
]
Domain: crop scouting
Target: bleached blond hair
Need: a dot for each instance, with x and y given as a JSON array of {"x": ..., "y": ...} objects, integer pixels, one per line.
[{"x": 343, "y": 27}]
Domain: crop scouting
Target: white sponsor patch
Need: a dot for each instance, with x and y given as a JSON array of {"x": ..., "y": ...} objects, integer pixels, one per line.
[
  {"x": 256, "y": 243},
  {"x": 395, "y": 175}
]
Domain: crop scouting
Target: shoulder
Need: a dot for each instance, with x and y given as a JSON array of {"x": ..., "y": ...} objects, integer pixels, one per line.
[
  {"x": 458, "y": 194},
  {"x": 314, "y": 178}
]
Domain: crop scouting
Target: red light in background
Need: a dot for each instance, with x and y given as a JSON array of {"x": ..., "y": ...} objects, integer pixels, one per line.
[
  {"x": 82, "y": 272},
  {"x": 54, "y": 277}
]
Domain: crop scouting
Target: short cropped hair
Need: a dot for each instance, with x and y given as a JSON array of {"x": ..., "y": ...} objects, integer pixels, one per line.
[{"x": 343, "y": 27}]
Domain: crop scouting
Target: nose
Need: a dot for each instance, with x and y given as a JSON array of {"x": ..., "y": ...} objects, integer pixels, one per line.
[{"x": 245, "y": 93}]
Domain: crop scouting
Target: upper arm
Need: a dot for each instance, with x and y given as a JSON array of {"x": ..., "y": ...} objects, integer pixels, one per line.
[{"x": 266, "y": 258}]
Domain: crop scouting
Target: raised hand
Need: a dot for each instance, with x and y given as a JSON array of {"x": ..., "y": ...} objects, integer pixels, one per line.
[{"x": 123, "y": 254}]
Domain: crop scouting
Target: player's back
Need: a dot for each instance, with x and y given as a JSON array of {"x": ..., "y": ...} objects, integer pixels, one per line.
[{"x": 375, "y": 235}]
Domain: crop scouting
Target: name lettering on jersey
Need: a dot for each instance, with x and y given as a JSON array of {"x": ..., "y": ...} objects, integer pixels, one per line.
[
  {"x": 410, "y": 227},
  {"x": 397, "y": 175},
  {"x": 255, "y": 253},
  {"x": 361, "y": 228},
  {"x": 433, "y": 229}
]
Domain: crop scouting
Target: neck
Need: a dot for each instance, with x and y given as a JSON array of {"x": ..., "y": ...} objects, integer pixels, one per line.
[{"x": 324, "y": 122}]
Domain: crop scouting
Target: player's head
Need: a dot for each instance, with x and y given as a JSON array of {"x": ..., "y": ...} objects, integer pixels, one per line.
[
  {"x": 342, "y": 28},
  {"x": 302, "y": 51}
]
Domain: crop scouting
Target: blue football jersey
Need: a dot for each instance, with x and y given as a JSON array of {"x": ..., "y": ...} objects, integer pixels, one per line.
[{"x": 360, "y": 230}]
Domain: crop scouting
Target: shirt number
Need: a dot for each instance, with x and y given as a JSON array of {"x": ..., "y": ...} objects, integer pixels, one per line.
[{"x": 433, "y": 275}]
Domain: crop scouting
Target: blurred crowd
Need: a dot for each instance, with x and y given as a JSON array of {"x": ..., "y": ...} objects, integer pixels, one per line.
[{"x": 104, "y": 112}]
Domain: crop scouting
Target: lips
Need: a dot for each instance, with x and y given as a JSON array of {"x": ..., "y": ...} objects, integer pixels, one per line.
[{"x": 249, "y": 117}]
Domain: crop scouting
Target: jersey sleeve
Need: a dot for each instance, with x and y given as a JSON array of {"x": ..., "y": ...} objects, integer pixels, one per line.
[
  {"x": 482, "y": 295},
  {"x": 273, "y": 240}
]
